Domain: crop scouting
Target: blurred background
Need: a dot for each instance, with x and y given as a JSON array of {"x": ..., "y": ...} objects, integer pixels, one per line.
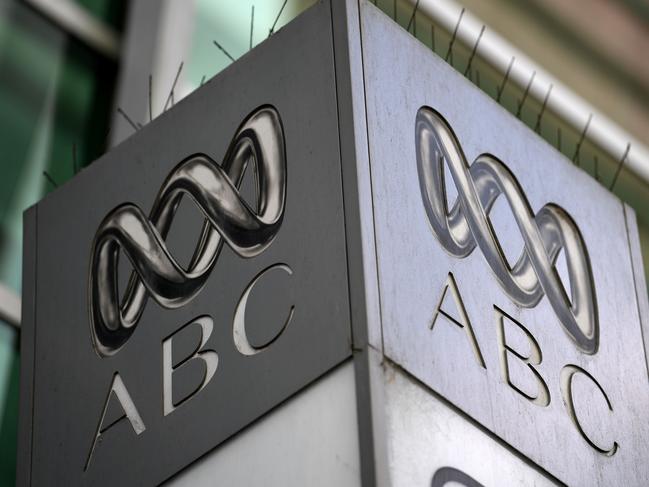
[{"x": 79, "y": 76}]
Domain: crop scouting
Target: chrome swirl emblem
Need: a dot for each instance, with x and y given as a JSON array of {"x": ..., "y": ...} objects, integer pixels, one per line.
[
  {"x": 466, "y": 225},
  {"x": 214, "y": 189}
]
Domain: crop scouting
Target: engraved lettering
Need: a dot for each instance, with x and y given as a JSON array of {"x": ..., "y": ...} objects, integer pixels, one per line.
[
  {"x": 257, "y": 145},
  {"x": 208, "y": 356},
  {"x": 463, "y": 321},
  {"x": 119, "y": 391},
  {"x": 567, "y": 374},
  {"x": 239, "y": 323},
  {"x": 447, "y": 476},
  {"x": 542, "y": 398},
  {"x": 464, "y": 225}
]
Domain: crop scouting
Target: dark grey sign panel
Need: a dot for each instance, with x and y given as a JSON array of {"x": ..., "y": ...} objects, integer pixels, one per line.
[{"x": 229, "y": 207}]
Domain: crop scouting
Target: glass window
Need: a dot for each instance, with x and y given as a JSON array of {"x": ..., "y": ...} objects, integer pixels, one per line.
[
  {"x": 55, "y": 104},
  {"x": 9, "y": 388},
  {"x": 55, "y": 98},
  {"x": 110, "y": 11}
]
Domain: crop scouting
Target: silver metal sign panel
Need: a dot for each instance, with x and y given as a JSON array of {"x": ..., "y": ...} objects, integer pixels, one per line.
[
  {"x": 430, "y": 444},
  {"x": 226, "y": 213},
  {"x": 505, "y": 274}
]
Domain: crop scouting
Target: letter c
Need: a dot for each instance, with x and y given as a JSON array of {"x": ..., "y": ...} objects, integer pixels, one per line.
[
  {"x": 449, "y": 475},
  {"x": 567, "y": 374},
  {"x": 239, "y": 323}
]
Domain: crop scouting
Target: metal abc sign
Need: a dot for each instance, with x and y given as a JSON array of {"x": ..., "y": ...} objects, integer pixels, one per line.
[
  {"x": 178, "y": 285},
  {"x": 366, "y": 202}
]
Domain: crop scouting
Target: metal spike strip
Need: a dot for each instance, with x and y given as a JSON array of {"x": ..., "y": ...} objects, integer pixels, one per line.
[
  {"x": 272, "y": 29},
  {"x": 537, "y": 127},
  {"x": 432, "y": 37},
  {"x": 620, "y": 165},
  {"x": 252, "y": 24},
  {"x": 500, "y": 90},
  {"x": 127, "y": 118},
  {"x": 414, "y": 28},
  {"x": 50, "y": 179},
  {"x": 473, "y": 51},
  {"x": 173, "y": 87},
  {"x": 223, "y": 50},
  {"x": 505, "y": 79},
  {"x": 454, "y": 36},
  {"x": 525, "y": 93},
  {"x": 575, "y": 157},
  {"x": 412, "y": 19}
]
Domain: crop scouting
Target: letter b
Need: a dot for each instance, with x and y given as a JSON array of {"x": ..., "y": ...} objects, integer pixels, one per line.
[
  {"x": 208, "y": 356},
  {"x": 534, "y": 358}
]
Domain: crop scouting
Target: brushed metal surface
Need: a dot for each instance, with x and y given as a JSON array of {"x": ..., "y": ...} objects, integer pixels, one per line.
[
  {"x": 638, "y": 272},
  {"x": 582, "y": 432},
  {"x": 466, "y": 225},
  {"x": 429, "y": 443}
]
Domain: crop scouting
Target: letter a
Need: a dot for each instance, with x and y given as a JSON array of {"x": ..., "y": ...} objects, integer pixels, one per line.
[
  {"x": 119, "y": 391},
  {"x": 463, "y": 319}
]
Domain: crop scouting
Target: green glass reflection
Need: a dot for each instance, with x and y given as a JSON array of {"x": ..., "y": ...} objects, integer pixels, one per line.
[
  {"x": 229, "y": 23},
  {"x": 55, "y": 99},
  {"x": 9, "y": 388},
  {"x": 109, "y": 11}
]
